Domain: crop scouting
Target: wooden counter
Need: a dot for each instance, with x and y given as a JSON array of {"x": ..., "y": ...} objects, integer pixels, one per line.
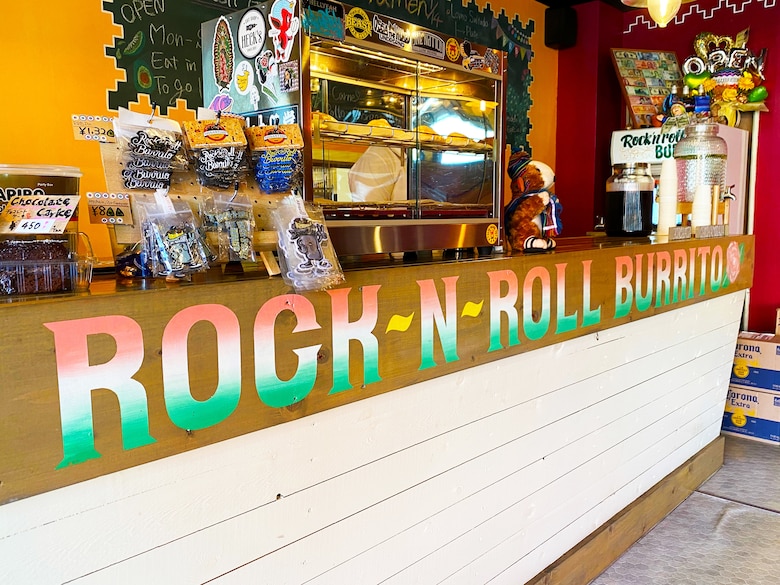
[{"x": 516, "y": 404}]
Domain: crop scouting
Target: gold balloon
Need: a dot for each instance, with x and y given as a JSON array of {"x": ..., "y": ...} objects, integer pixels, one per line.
[{"x": 706, "y": 42}]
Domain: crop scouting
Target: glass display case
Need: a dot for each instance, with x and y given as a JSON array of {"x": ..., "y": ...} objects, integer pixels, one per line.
[
  {"x": 406, "y": 146},
  {"x": 405, "y": 127}
]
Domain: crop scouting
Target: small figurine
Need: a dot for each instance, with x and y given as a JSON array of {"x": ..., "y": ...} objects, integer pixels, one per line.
[{"x": 532, "y": 217}]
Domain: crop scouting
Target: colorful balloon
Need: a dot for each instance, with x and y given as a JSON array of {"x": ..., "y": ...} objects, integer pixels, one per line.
[
  {"x": 758, "y": 94},
  {"x": 694, "y": 80}
]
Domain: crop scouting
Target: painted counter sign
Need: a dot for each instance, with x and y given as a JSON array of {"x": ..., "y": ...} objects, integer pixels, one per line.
[{"x": 123, "y": 380}]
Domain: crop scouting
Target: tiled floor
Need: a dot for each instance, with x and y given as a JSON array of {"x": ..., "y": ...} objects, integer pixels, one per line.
[{"x": 725, "y": 533}]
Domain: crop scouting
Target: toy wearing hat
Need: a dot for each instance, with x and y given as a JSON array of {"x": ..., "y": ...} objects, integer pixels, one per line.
[{"x": 532, "y": 217}]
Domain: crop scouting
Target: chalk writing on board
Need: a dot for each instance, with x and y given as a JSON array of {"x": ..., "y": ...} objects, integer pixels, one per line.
[
  {"x": 423, "y": 12},
  {"x": 160, "y": 48}
]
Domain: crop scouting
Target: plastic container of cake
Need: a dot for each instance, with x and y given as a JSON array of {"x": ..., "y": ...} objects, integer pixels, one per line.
[
  {"x": 37, "y": 266},
  {"x": 45, "y": 264}
]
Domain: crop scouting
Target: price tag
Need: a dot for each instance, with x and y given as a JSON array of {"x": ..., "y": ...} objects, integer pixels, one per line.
[
  {"x": 110, "y": 208},
  {"x": 38, "y": 214},
  {"x": 34, "y": 226},
  {"x": 93, "y": 128}
]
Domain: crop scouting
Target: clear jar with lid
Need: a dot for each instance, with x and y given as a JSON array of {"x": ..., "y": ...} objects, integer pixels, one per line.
[
  {"x": 629, "y": 203},
  {"x": 700, "y": 158}
]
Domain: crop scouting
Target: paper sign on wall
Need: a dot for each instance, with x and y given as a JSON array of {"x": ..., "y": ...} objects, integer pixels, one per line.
[
  {"x": 93, "y": 128},
  {"x": 38, "y": 214},
  {"x": 110, "y": 208}
]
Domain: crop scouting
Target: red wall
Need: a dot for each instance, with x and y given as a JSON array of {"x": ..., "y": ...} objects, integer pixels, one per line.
[
  {"x": 578, "y": 110},
  {"x": 587, "y": 115}
]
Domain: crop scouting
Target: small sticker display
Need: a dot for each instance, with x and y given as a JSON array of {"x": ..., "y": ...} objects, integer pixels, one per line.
[
  {"x": 171, "y": 239},
  {"x": 251, "y": 59},
  {"x": 231, "y": 220},
  {"x": 276, "y": 156},
  {"x": 150, "y": 149}
]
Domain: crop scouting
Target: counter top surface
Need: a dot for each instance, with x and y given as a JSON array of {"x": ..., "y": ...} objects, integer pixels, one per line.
[{"x": 105, "y": 281}]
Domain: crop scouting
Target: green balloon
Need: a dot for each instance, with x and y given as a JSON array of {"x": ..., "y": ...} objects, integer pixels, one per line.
[
  {"x": 694, "y": 80},
  {"x": 758, "y": 94}
]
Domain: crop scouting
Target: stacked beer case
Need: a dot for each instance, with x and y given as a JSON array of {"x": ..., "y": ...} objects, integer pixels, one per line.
[{"x": 753, "y": 402}]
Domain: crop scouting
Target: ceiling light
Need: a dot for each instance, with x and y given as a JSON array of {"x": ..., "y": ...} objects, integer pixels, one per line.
[{"x": 661, "y": 11}]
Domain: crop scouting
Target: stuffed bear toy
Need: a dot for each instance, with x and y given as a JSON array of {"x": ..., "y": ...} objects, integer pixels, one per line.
[{"x": 533, "y": 214}]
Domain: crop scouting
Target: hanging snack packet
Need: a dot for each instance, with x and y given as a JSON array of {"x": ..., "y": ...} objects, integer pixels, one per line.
[
  {"x": 276, "y": 156},
  {"x": 171, "y": 237},
  {"x": 217, "y": 149},
  {"x": 306, "y": 255},
  {"x": 150, "y": 150},
  {"x": 231, "y": 219}
]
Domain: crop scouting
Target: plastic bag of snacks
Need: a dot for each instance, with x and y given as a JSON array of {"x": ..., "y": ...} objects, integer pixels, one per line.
[
  {"x": 306, "y": 255},
  {"x": 150, "y": 150},
  {"x": 276, "y": 156},
  {"x": 217, "y": 150},
  {"x": 170, "y": 235},
  {"x": 231, "y": 219}
]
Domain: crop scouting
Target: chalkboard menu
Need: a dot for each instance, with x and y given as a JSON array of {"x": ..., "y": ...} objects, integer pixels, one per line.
[{"x": 160, "y": 48}]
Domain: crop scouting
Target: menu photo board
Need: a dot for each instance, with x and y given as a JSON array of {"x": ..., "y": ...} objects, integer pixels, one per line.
[{"x": 646, "y": 78}]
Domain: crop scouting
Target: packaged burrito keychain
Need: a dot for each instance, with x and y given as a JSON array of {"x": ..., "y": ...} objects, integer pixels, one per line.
[
  {"x": 230, "y": 218},
  {"x": 276, "y": 155},
  {"x": 217, "y": 149},
  {"x": 306, "y": 255},
  {"x": 171, "y": 237},
  {"x": 150, "y": 150}
]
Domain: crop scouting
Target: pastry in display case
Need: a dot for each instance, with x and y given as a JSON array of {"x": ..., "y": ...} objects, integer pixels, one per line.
[{"x": 403, "y": 126}]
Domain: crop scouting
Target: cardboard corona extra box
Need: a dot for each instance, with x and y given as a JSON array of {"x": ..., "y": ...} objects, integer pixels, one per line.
[
  {"x": 757, "y": 362},
  {"x": 753, "y": 414}
]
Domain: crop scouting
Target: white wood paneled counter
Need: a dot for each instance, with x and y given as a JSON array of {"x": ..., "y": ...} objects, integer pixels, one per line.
[{"x": 486, "y": 472}]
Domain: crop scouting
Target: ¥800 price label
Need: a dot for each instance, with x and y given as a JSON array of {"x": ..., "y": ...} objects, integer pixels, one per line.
[{"x": 110, "y": 208}]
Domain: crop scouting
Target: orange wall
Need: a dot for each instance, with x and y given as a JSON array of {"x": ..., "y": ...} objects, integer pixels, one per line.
[
  {"x": 544, "y": 88},
  {"x": 55, "y": 66}
]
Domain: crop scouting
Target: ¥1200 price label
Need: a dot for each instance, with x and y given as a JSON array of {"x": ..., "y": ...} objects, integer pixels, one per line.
[{"x": 110, "y": 208}]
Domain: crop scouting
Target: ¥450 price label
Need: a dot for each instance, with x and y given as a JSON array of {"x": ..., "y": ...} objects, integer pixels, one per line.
[{"x": 110, "y": 208}]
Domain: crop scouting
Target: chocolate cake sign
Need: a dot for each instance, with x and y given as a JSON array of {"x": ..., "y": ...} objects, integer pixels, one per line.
[{"x": 38, "y": 214}]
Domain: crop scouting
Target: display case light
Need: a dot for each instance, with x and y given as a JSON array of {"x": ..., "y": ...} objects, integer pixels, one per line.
[{"x": 356, "y": 51}]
